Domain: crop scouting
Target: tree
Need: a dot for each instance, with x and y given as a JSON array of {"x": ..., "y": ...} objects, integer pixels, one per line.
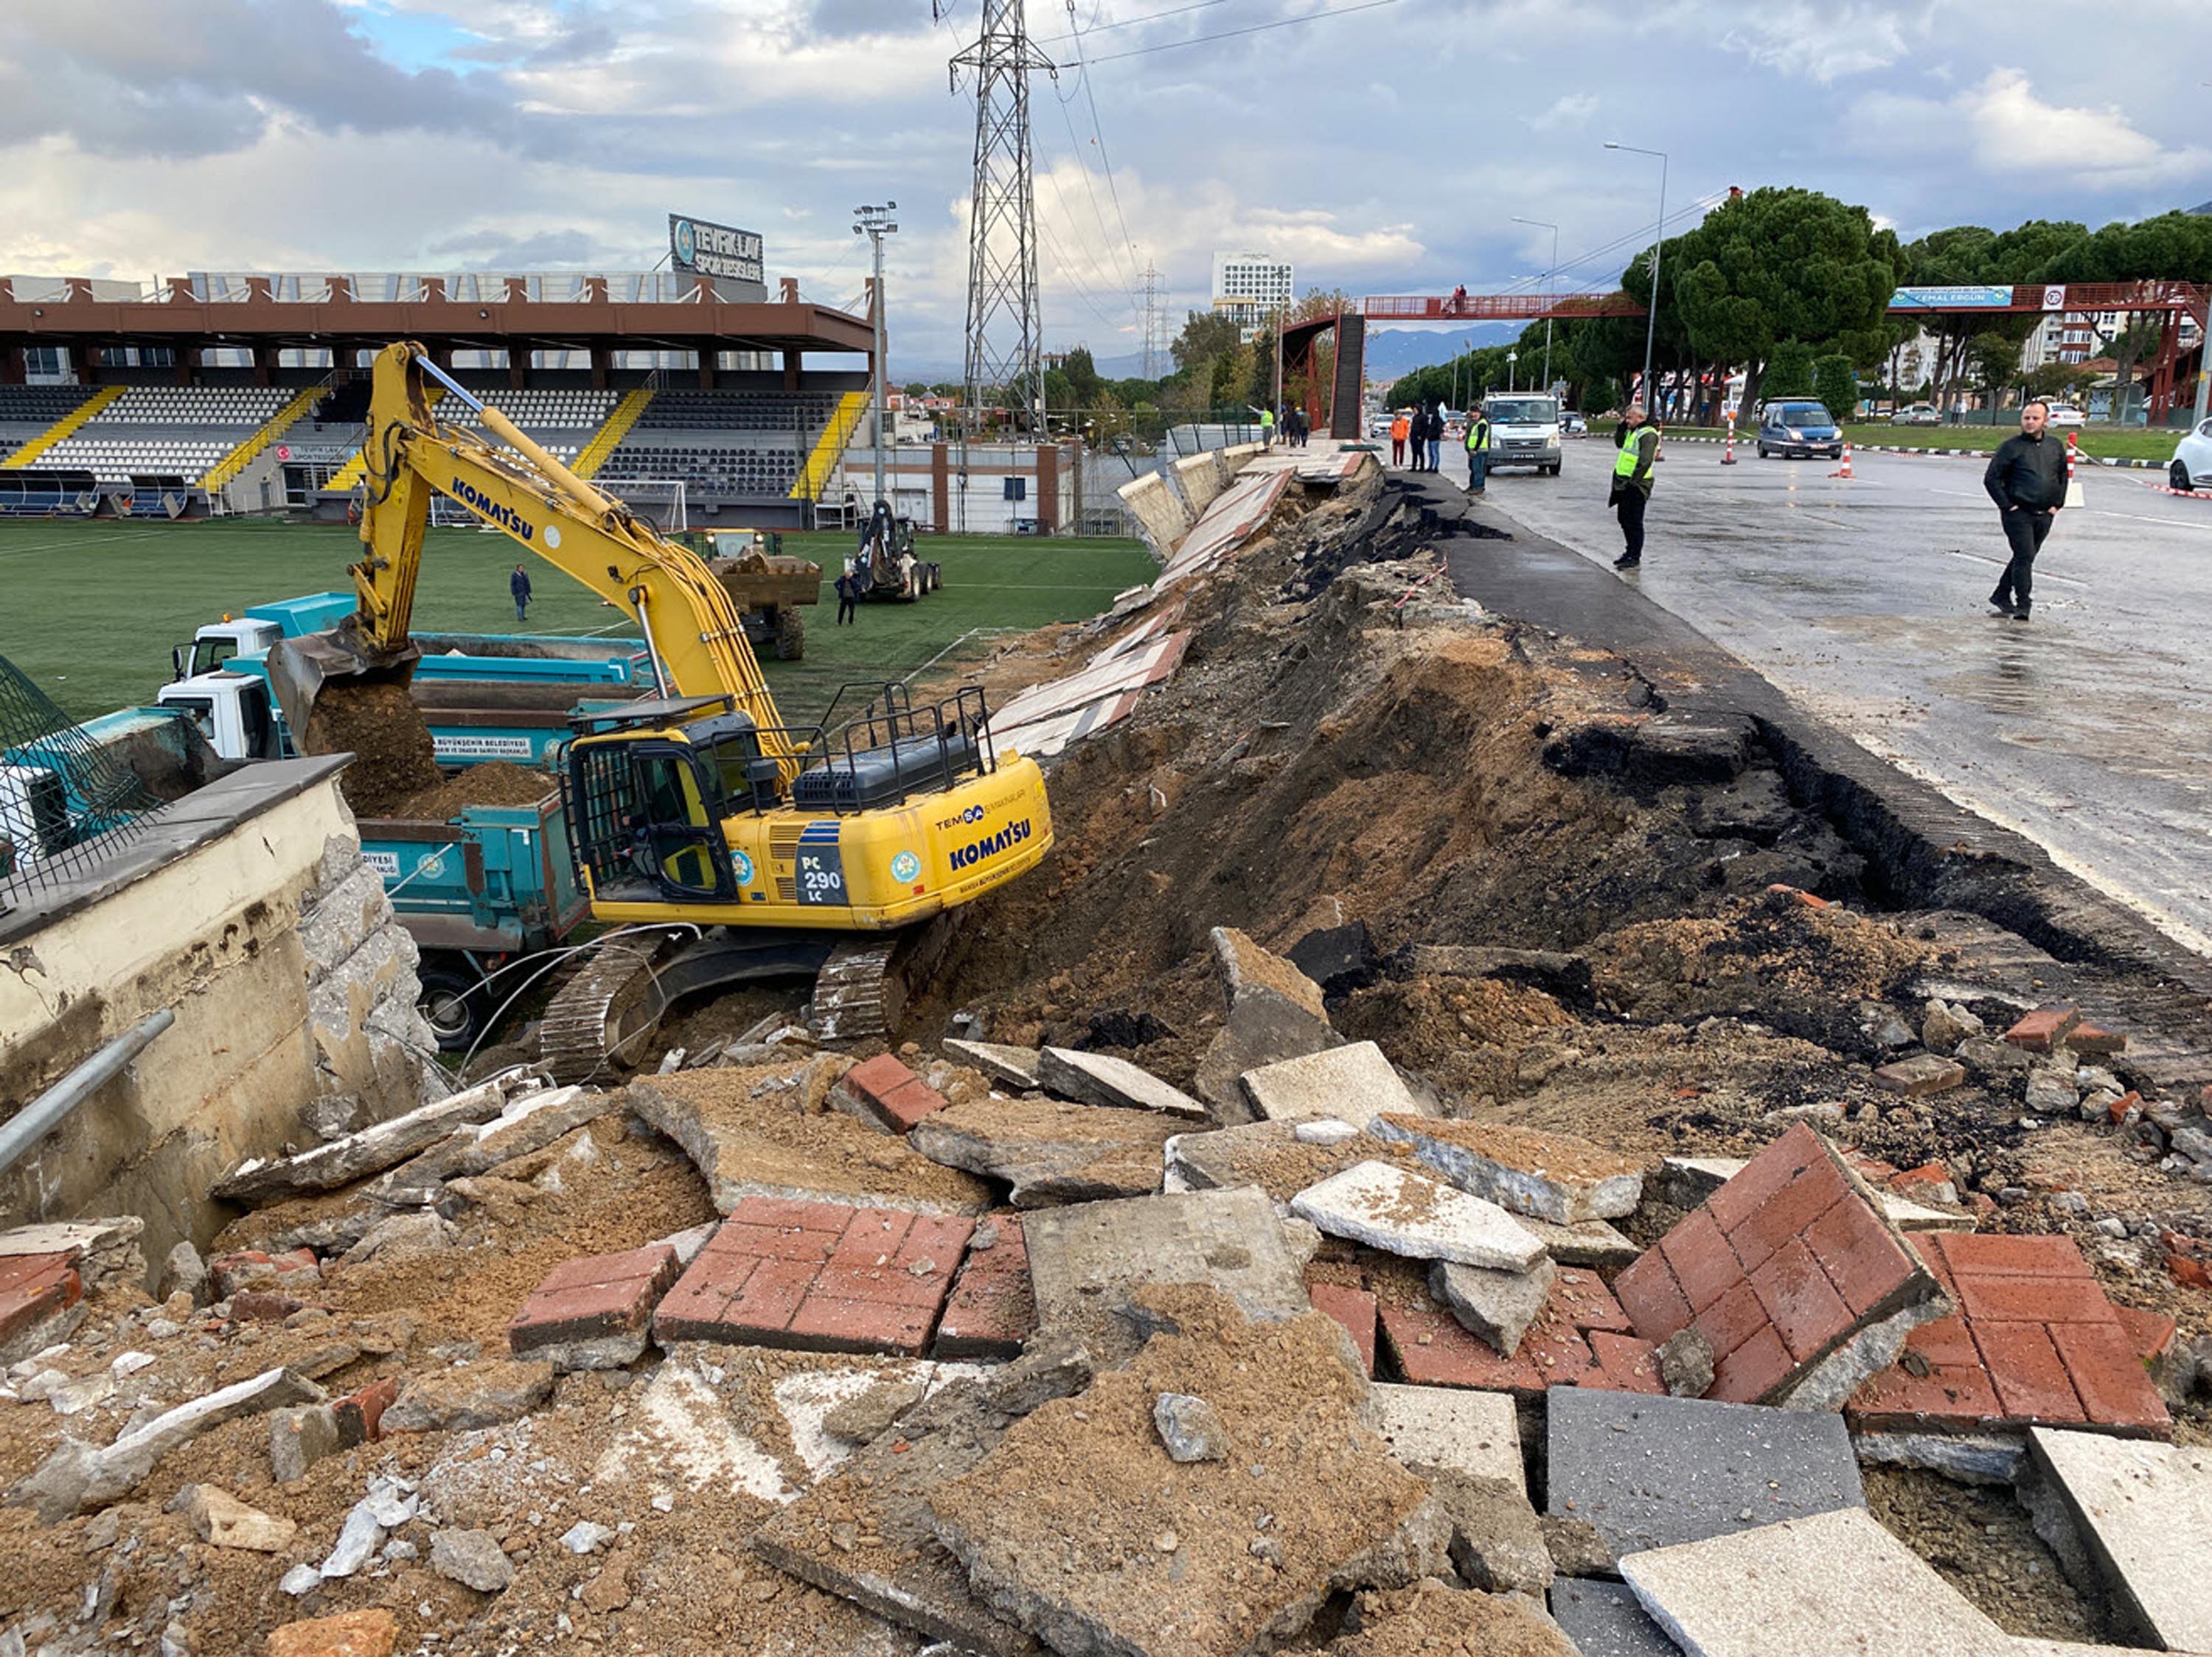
[
  {"x": 917, "y": 389},
  {"x": 1996, "y": 357},
  {"x": 1206, "y": 335},
  {"x": 1083, "y": 380},
  {"x": 1788, "y": 372},
  {"x": 1780, "y": 264},
  {"x": 1837, "y": 385},
  {"x": 2055, "y": 380}
]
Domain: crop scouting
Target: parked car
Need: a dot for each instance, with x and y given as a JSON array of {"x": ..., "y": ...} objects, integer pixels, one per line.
[
  {"x": 1572, "y": 424},
  {"x": 1918, "y": 414},
  {"x": 2192, "y": 460},
  {"x": 1798, "y": 428},
  {"x": 2065, "y": 414}
]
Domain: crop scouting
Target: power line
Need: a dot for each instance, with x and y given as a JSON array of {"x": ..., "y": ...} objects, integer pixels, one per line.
[
  {"x": 1234, "y": 33},
  {"x": 1132, "y": 22}
]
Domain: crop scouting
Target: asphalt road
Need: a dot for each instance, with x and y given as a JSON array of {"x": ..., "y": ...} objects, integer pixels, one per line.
[{"x": 2088, "y": 730}]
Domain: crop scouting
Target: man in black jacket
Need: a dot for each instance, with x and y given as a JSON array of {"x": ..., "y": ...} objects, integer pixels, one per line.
[{"x": 2028, "y": 480}]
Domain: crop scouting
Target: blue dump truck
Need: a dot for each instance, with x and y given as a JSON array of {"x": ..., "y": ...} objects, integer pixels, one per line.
[
  {"x": 477, "y": 885},
  {"x": 485, "y": 696}
]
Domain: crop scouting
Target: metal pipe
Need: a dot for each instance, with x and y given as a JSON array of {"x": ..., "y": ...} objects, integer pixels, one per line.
[
  {"x": 567, "y": 482},
  {"x": 652, "y": 650},
  {"x": 43, "y": 1114}
]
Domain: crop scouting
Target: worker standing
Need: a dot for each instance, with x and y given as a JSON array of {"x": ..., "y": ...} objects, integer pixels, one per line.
[
  {"x": 848, "y": 596},
  {"x": 1637, "y": 439},
  {"x": 1266, "y": 428},
  {"x": 518, "y": 587},
  {"x": 1478, "y": 451},
  {"x": 1437, "y": 438},
  {"x": 1399, "y": 425},
  {"x": 2027, "y": 478}
]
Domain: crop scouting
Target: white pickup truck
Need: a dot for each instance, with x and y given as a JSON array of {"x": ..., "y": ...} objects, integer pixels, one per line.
[{"x": 1524, "y": 431}]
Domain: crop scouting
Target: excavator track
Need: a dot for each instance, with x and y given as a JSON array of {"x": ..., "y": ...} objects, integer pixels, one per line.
[
  {"x": 603, "y": 1005},
  {"x": 862, "y": 990}
]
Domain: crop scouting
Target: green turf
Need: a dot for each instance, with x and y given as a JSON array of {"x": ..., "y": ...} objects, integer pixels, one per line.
[
  {"x": 89, "y": 611},
  {"x": 2101, "y": 442}
]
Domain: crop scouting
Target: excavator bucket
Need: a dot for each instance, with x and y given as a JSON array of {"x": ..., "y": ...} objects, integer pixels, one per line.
[{"x": 300, "y": 668}]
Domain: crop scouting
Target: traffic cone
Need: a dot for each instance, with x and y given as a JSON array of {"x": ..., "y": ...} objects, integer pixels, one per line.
[
  {"x": 1727, "y": 455},
  {"x": 2073, "y": 484},
  {"x": 1844, "y": 470}
]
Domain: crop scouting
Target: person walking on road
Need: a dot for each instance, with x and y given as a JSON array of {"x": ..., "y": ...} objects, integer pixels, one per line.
[
  {"x": 1400, "y": 427},
  {"x": 1478, "y": 450},
  {"x": 518, "y": 587},
  {"x": 1638, "y": 440},
  {"x": 2027, "y": 479}
]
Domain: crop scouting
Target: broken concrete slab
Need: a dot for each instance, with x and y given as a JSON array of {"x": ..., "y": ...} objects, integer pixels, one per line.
[
  {"x": 1686, "y": 1181},
  {"x": 1154, "y": 1555},
  {"x": 1477, "y": 1434},
  {"x": 76, "y": 1478},
  {"x": 1248, "y": 971},
  {"x": 1087, "y": 1263},
  {"x": 356, "y": 1156},
  {"x": 1605, "y": 1619},
  {"x": 469, "y": 1396},
  {"x": 1404, "y": 1213},
  {"x": 1015, "y": 1066},
  {"x": 1920, "y": 1076},
  {"x": 1496, "y": 1541},
  {"x": 1097, "y": 1078},
  {"x": 1354, "y": 1084},
  {"x": 865, "y": 1531},
  {"x": 524, "y": 1125},
  {"x": 1555, "y": 1177},
  {"x": 1588, "y": 1243},
  {"x": 1261, "y": 1030},
  {"x": 1792, "y": 1273},
  {"x": 1965, "y": 1458},
  {"x": 755, "y": 1133},
  {"x": 1047, "y": 1150},
  {"x": 1434, "y": 1618},
  {"x": 1281, "y": 1158},
  {"x": 1834, "y": 1582},
  {"x": 1498, "y": 1306},
  {"x": 1653, "y": 1473},
  {"x": 2141, "y": 1511}
]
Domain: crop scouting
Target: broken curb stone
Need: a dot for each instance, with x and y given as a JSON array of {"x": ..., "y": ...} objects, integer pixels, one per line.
[
  {"x": 1261, "y": 1030},
  {"x": 1098, "y": 1079},
  {"x": 1015, "y": 1066},
  {"x": 1554, "y": 1177},
  {"x": 1248, "y": 971},
  {"x": 1408, "y": 1214},
  {"x": 2141, "y": 1510},
  {"x": 1354, "y": 1084},
  {"x": 342, "y": 1161}
]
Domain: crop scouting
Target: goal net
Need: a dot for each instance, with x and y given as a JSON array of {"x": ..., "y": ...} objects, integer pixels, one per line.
[{"x": 664, "y": 503}]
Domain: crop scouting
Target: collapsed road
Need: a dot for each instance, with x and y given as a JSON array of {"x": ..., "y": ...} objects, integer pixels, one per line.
[{"x": 1465, "y": 1147}]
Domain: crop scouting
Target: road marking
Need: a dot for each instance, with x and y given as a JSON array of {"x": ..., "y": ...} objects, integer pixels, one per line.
[
  {"x": 77, "y": 540},
  {"x": 2041, "y": 575}
]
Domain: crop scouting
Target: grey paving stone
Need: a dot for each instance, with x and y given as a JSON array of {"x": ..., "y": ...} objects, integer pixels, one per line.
[
  {"x": 1263, "y": 1029},
  {"x": 1084, "y": 1261},
  {"x": 1654, "y": 1473},
  {"x": 2142, "y": 1510},
  {"x": 1604, "y": 1620},
  {"x": 1097, "y": 1078},
  {"x": 1354, "y": 1084},
  {"x": 1477, "y": 1434},
  {"x": 1404, "y": 1213},
  {"x": 1808, "y": 1587},
  {"x": 1016, "y": 1066}
]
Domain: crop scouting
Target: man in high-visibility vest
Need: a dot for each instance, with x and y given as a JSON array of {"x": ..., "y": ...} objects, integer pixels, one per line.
[
  {"x": 1478, "y": 450},
  {"x": 1266, "y": 428},
  {"x": 1637, "y": 439}
]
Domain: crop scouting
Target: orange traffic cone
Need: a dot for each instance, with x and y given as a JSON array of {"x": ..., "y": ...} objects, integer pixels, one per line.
[
  {"x": 1844, "y": 470},
  {"x": 1727, "y": 455},
  {"x": 2073, "y": 484}
]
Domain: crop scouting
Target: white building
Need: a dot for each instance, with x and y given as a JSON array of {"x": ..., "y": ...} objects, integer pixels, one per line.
[
  {"x": 1246, "y": 286},
  {"x": 2082, "y": 336}
]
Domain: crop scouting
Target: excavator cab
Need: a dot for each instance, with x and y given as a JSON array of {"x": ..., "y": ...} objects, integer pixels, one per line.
[{"x": 648, "y": 789}]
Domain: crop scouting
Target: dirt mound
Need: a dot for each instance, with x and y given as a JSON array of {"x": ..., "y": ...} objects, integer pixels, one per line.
[
  {"x": 496, "y": 783},
  {"x": 379, "y": 725}
]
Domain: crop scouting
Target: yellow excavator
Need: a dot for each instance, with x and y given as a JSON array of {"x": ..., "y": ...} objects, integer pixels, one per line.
[{"x": 738, "y": 847}]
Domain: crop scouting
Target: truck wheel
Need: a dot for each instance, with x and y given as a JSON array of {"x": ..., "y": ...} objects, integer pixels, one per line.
[
  {"x": 790, "y": 636},
  {"x": 452, "y": 1004}
]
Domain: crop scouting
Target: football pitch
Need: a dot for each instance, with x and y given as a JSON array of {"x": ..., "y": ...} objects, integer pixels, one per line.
[{"x": 88, "y": 612}]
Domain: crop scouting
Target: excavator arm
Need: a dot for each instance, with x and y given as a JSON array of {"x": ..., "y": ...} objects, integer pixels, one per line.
[{"x": 696, "y": 635}]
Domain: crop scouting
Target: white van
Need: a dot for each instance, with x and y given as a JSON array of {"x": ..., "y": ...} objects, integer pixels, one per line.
[{"x": 1524, "y": 430}]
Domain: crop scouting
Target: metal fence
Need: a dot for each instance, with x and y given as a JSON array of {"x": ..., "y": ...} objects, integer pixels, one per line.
[{"x": 66, "y": 803}]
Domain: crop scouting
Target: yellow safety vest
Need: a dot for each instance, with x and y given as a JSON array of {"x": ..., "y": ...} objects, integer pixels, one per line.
[
  {"x": 1624, "y": 464},
  {"x": 1478, "y": 433}
]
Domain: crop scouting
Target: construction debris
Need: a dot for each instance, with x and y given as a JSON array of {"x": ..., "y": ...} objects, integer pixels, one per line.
[
  {"x": 1354, "y": 1084},
  {"x": 1050, "y": 1152},
  {"x": 2139, "y": 1512},
  {"x": 1394, "y": 1209},
  {"x": 1551, "y": 1176},
  {"x": 1114, "y": 1083}
]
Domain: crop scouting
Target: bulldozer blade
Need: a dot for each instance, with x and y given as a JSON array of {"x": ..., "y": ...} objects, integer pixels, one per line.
[{"x": 300, "y": 667}]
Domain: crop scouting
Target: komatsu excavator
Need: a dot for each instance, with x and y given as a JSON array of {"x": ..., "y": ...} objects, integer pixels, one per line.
[{"x": 738, "y": 847}]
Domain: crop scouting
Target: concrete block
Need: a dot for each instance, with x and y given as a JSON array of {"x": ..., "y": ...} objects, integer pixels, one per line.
[
  {"x": 1097, "y": 1078},
  {"x": 1554, "y": 1177},
  {"x": 1408, "y": 1214},
  {"x": 1047, "y": 1150},
  {"x": 1015, "y": 1066},
  {"x": 1354, "y": 1084},
  {"x": 1477, "y": 1434},
  {"x": 1498, "y": 1306},
  {"x": 1263, "y": 1029},
  {"x": 459, "y": 1400},
  {"x": 1921, "y": 1076},
  {"x": 1604, "y": 1619},
  {"x": 1653, "y": 1473},
  {"x": 2144, "y": 1515},
  {"x": 1085, "y": 1262},
  {"x": 1248, "y": 971},
  {"x": 1807, "y": 1587},
  {"x": 1279, "y": 1157}
]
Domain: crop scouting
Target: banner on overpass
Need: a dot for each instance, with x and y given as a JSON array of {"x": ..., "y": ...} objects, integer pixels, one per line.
[
  {"x": 1951, "y": 299},
  {"x": 732, "y": 256}
]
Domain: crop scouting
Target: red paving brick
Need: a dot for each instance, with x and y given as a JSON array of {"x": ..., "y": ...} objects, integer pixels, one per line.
[
  {"x": 597, "y": 1296},
  {"x": 832, "y": 1278},
  {"x": 1433, "y": 1349},
  {"x": 2044, "y": 1025},
  {"x": 1628, "y": 1365},
  {"x": 992, "y": 1309},
  {"x": 2026, "y": 1371},
  {"x": 1947, "y": 1393},
  {"x": 2108, "y": 1375},
  {"x": 889, "y": 1093},
  {"x": 1790, "y": 1213},
  {"x": 1806, "y": 1310},
  {"x": 1734, "y": 1318},
  {"x": 1355, "y": 1308},
  {"x": 2091, "y": 1042},
  {"x": 1704, "y": 1266},
  {"x": 2033, "y": 1300},
  {"x": 1982, "y": 1254},
  {"x": 1654, "y": 1300},
  {"x": 2150, "y": 1334},
  {"x": 38, "y": 1286},
  {"x": 1753, "y": 1370},
  {"x": 1866, "y": 1263}
]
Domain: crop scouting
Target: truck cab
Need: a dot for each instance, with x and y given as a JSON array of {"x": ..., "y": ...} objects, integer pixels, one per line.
[
  {"x": 252, "y": 634},
  {"x": 233, "y": 710},
  {"x": 1524, "y": 430}
]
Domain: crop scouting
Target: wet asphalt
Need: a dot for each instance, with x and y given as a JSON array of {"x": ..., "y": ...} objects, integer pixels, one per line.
[{"x": 2087, "y": 729}]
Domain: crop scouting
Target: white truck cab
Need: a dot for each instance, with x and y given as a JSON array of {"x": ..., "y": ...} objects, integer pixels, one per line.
[
  {"x": 1524, "y": 430},
  {"x": 232, "y": 711},
  {"x": 219, "y": 640}
]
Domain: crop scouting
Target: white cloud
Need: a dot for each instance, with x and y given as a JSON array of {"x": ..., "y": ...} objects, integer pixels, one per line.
[
  {"x": 1821, "y": 41},
  {"x": 1572, "y": 110},
  {"x": 2015, "y": 131}
]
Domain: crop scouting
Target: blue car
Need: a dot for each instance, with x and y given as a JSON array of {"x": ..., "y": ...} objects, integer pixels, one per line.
[{"x": 1801, "y": 429}]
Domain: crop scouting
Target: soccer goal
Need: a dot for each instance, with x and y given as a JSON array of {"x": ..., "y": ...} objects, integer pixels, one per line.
[{"x": 664, "y": 503}]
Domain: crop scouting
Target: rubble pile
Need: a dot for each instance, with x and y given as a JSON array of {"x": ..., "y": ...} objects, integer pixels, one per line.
[{"x": 1450, "y": 1156}]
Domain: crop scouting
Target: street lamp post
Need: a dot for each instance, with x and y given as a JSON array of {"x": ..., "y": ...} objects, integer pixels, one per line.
[
  {"x": 875, "y": 223},
  {"x": 1511, "y": 384},
  {"x": 1651, "y": 325},
  {"x": 1551, "y": 276}
]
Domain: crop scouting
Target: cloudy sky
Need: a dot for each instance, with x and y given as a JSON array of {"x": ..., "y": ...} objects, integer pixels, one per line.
[{"x": 1385, "y": 150}]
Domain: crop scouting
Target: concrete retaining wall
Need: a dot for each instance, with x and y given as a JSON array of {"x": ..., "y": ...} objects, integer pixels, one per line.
[{"x": 246, "y": 911}]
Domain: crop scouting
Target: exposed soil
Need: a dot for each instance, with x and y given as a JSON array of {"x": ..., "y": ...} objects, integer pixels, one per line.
[
  {"x": 377, "y": 723},
  {"x": 495, "y": 783}
]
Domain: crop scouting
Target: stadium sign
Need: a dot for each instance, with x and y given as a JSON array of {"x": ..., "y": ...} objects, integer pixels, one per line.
[{"x": 720, "y": 251}]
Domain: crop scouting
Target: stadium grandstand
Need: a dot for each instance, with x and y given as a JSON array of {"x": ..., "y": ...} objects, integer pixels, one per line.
[{"x": 219, "y": 392}]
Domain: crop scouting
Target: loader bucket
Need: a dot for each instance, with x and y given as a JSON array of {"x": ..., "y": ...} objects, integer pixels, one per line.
[{"x": 299, "y": 668}]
